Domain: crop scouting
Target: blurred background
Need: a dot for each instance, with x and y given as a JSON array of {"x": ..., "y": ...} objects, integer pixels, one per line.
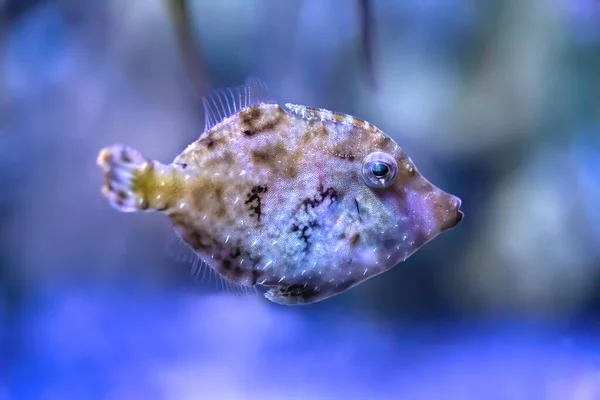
[{"x": 496, "y": 101}]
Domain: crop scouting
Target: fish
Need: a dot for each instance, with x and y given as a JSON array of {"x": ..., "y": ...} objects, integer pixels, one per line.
[{"x": 305, "y": 203}]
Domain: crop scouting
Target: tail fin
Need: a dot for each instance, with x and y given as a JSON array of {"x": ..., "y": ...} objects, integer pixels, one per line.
[{"x": 134, "y": 183}]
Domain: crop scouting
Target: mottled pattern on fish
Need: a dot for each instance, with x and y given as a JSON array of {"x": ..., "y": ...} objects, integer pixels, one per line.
[{"x": 275, "y": 195}]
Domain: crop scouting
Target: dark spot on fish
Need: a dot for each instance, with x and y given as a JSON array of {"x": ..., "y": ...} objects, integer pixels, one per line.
[
  {"x": 262, "y": 156},
  {"x": 250, "y": 115},
  {"x": 354, "y": 239},
  {"x": 235, "y": 253},
  {"x": 276, "y": 157},
  {"x": 237, "y": 272},
  {"x": 125, "y": 156},
  {"x": 244, "y": 257},
  {"x": 254, "y": 120},
  {"x": 194, "y": 240},
  {"x": 343, "y": 156},
  {"x": 254, "y": 275},
  {"x": 212, "y": 140},
  {"x": 322, "y": 195},
  {"x": 121, "y": 194},
  {"x": 304, "y": 232},
  {"x": 231, "y": 271},
  {"x": 254, "y": 200}
]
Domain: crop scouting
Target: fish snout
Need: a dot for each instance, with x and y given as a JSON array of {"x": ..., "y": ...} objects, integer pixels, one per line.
[{"x": 451, "y": 213}]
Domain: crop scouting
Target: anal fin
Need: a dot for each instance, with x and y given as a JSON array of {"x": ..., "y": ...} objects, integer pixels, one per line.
[{"x": 177, "y": 250}]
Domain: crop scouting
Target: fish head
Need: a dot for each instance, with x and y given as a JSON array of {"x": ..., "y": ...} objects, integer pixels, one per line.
[
  {"x": 398, "y": 209},
  {"x": 384, "y": 211}
]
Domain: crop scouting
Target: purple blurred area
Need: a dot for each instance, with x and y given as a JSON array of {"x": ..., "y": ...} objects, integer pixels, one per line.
[
  {"x": 109, "y": 344},
  {"x": 495, "y": 101}
]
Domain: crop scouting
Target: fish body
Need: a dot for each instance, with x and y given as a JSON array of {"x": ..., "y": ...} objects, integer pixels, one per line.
[{"x": 303, "y": 201}]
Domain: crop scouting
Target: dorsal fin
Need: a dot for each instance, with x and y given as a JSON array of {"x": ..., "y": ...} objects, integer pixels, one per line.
[{"x": 223, "y": 103}]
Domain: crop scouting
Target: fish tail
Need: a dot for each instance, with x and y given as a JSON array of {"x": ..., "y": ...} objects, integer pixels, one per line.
[{"x": 133, "y": 183}]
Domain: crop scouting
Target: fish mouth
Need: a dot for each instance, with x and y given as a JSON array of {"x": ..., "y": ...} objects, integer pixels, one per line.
[
  {"x": 453, "y": 214},
  {"x": 459, "y": 215}
]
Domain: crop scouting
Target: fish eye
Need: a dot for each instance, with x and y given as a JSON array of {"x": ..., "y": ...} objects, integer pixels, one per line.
[{"x": 379, "y": 170}]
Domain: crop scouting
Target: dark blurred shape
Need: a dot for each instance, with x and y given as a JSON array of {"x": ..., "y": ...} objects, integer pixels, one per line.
[
  {"x": 366, "y": 30},
  {"x": 191, "y": 54},
  {"x": 13, "y": 9}
]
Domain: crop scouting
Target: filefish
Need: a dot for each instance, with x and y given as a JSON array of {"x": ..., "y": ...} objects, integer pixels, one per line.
[{"x": 303, "y": 202}]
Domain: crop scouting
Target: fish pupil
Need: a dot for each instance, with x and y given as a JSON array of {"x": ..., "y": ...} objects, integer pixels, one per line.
[{"x": 380, "y": 169}]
